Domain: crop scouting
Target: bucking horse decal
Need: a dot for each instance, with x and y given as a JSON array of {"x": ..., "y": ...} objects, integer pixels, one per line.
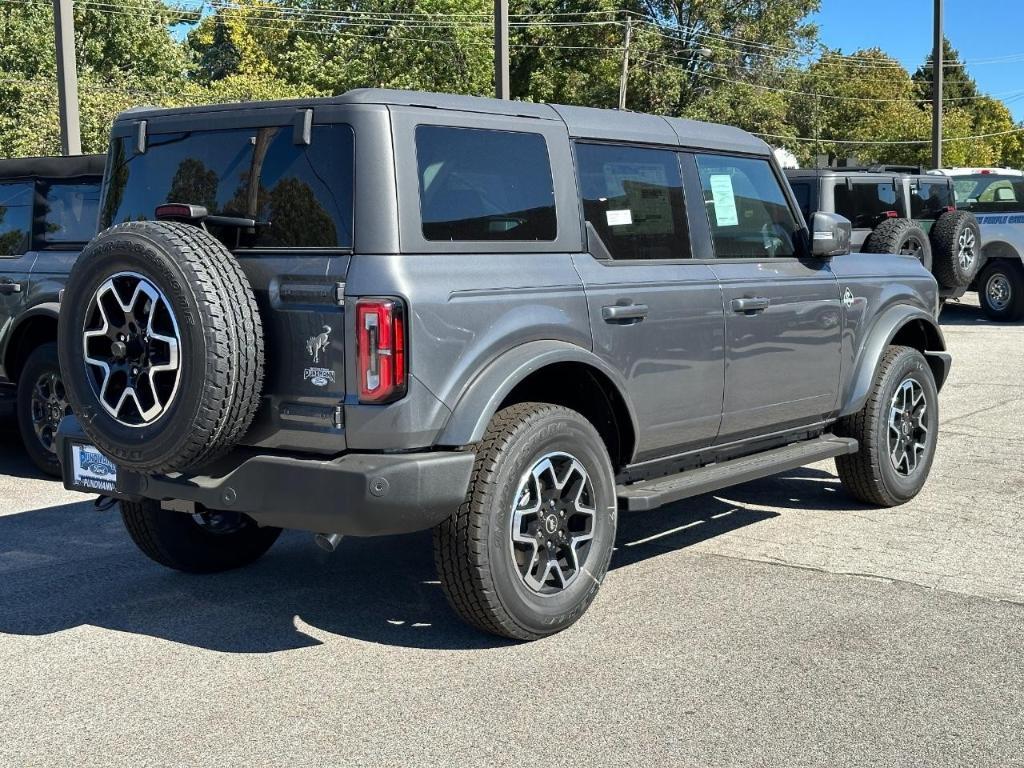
[{"x": 317, "y": 344}]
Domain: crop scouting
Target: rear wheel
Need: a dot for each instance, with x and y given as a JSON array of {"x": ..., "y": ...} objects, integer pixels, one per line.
[
  {"x": 1001, "y": 290},
  {"x": 42, "y": 403},
  {"x": 525, "y": 554},
  {"x": 901, "y": 236},
  {"x": 206, "y": 542},
  {"x": 897, "y": 430}
]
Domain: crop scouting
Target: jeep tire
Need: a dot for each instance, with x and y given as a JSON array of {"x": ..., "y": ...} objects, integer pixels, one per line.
[
  {"x": 1001, "y": 290},
  {"x": 956, "y": 245},
  {"x": 208, "y": 542},
  {"x": 133, "y": 404},
  {"x": 900, "y": 236},
  {"x": 897, "y": 430},
  {"x": 515, "y": 560},
  {"x": 42, "y": 403}
]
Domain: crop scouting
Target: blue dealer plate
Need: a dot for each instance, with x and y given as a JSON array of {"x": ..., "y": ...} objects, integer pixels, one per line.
[{"x": 91, "y": 470}]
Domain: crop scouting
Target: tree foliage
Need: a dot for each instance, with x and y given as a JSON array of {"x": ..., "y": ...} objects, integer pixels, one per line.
[{"x": 756, "y": 64}]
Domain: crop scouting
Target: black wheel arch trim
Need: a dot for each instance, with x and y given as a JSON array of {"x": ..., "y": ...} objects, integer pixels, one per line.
[
  {"x": 482, "y": 398},
  {"x": 10, "y": 344},
  {"x": 884, "y": 330}
]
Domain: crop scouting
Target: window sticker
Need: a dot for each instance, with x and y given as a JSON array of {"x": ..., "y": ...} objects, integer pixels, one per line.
[
  {"x": 620, "y": 218},
  {"x": 725, "y": 200}
]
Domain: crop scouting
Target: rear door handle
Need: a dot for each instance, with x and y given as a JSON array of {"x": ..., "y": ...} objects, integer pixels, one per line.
[
  {"x": 8, "y": 287},
  {"x": 624, "y": 313},
  {"x": 751, "y": 304}
]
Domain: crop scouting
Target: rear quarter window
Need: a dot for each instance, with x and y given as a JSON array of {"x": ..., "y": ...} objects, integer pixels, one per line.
[
  {"x": 930, "y": 199},
  {"x": 15, "y": 218},
  {"x": 484, "y": 185},
  {"x": 865, "y": 203},
  {"x": 301, "y": 196},
  {"x": 67, "y": 212}
]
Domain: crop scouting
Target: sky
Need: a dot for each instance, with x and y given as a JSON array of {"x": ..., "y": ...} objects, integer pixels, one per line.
[{"x": 979, "y": 29}]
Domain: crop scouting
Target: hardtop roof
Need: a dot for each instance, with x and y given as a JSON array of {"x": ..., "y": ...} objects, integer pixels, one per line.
[
  {"x": 581, "y": 122},
  {"x": 52, "y": 167}
]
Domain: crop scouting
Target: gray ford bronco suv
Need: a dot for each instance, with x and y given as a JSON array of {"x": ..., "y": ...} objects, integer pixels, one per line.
[
  {"x": 48, "y": 212},
  {"x": 394, "y": 311}
]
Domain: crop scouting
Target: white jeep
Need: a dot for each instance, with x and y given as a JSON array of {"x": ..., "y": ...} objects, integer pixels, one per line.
[{"x": 996, "y": 197}]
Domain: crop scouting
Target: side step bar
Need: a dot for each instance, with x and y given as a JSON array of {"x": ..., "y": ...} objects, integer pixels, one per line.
[{"x": 651, "y": 494}]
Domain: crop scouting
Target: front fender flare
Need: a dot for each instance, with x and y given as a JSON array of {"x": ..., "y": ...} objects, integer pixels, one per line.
[
  {"x": 481, "y": 399},
  {"x": 883, "y": 331}
]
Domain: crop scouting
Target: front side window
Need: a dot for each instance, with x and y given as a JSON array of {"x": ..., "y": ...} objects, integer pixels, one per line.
[
  {"x": 747, "y": 208},
  {"x": 300, "y": 196},
  {"x": 930, "y": 199},
  {"x": 479, "y": 184},
  {"x": 15, "y": 218},
  {"x": 989, "y": 193},
  {"x": 634, "y": 200},
  {"x": 67, "y": 212},
  {"x": 866, "y": 203}
]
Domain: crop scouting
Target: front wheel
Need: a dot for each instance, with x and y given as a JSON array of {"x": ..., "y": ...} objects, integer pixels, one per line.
[
  {"x": 897, "y": 430},
  {"x": 42, "y": 403},
  {"x": 206, "y": 542},
  {"x": 1001, "y": 291},
  {"x": 525, "y": 554}
]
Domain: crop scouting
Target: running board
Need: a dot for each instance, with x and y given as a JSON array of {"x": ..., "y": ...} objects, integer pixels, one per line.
[{"x": 651, "y": 494}]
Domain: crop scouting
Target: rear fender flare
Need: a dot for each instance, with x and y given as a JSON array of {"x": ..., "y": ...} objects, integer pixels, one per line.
[
  {"x": 886, "y": 327},
  {"x": 482, "y": 398},
  {"x": 10, "y": 349}
]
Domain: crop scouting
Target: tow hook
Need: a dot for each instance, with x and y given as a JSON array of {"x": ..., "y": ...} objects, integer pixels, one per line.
[{"x": 328, "y": 541}]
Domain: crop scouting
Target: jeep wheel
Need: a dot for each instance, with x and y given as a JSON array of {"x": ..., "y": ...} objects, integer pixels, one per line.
[
  {"x": 42, "y": 403},
  {"x": 207, "y": 542},
  {"x": 897, "y": 430},
  {"x": 524, "y": 555},
  {"x": 900, "y": 236},
  {"x": 1001, "y": 290},
  {"x": 161, "y": 346},
  {"x": 956, "y": 243}
]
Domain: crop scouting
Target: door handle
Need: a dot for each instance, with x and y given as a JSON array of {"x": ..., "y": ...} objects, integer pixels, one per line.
[
  {"x": 751, "y": 304},
  {"x": 624, "y": 313},
  {"x": 8, "y": 287}
]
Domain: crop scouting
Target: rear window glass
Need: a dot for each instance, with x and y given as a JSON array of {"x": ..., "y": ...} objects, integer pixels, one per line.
[
  {"x": 478, "y": 184},
  {"x": 634, "y": 200},
  {"x": 15, "y": 218},
  {"x": 930, "y": 199},
  {"x": 67, "y": 212},
  {"x": 300, "y": 196},
  {"x": 865, "y": 203},
  {"x": 988, "y": 193}
]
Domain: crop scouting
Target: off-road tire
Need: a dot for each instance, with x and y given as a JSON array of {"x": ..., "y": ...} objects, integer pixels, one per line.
[
  {"x": 869, "y": 475},
  {"x": 893, "y": 236},
  {"x": 176, "y": 540},
  {"x": 222, "y": 347},
  {"x": 42, "y": 360},
  {"x": 471, "y": 549},
  {"x": 946, "y": 246},
  {"x": 1011, "y": 273}
]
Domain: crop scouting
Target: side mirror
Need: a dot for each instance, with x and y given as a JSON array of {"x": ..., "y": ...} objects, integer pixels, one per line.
[{"x": 830, "y": 234}]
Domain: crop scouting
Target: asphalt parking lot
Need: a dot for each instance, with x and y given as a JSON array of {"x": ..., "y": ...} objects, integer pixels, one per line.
[{"x": 778, "y": 623}]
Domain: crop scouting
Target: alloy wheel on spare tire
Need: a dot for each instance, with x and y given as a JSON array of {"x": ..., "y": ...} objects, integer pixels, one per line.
[
  {"x": 956, "y": 244},
  {"x": 901, "y": 236},
  {"x": 161, "y": 346}
]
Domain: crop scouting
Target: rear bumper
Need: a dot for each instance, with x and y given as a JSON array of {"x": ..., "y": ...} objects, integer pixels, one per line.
[{"x": 355, "y": 494}]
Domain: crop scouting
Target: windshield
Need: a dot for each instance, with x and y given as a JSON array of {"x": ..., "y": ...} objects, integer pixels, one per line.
[
  {"x": 989, "y": 193},
  {"x": 300, "y": 195}
]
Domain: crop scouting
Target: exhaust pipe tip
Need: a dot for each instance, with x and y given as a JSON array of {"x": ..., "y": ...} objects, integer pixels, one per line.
[{"x": 328, "y": 541}]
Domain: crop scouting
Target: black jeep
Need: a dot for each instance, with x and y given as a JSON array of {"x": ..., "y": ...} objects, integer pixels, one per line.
[{"x": 48, "y": 211}]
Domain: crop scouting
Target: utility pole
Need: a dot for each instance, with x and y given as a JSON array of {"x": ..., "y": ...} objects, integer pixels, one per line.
[
  {"x": 501, "y": 76},
  {"x": 624, "y": 75},
  {"x": 937, "y": 73},
  {"x": 67, "y": 77}
]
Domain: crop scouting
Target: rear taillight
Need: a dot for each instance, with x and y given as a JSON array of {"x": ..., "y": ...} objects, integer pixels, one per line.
[{"x": 380, "y": 347}]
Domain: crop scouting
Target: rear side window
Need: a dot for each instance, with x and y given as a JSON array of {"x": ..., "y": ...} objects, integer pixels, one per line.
[
  {"x": 929, "y": 200},
  {"x": 67, "y": 212},
  {"x": 300, "y": 196},
  {"x": 634, "y": 200},
  {"x": 747, "y": 209},
  {"x": 15, "y": 218},
  {"x": 866, "y": 203},
  {"x": 802, "y": 193},
  {"x": 987, "y": 193},
  {"x": 478, "y": 184}
]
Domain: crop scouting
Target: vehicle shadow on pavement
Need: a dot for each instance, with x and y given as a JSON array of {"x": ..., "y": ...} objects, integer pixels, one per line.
[
  {"x": 955, "y": 313},
  {"x": 13, "y": 460}
]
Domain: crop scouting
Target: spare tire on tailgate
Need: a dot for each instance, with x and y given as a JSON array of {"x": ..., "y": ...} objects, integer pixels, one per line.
[
  {"x": 956, "y": 243},
  {"x": 161, "y": 346}
]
